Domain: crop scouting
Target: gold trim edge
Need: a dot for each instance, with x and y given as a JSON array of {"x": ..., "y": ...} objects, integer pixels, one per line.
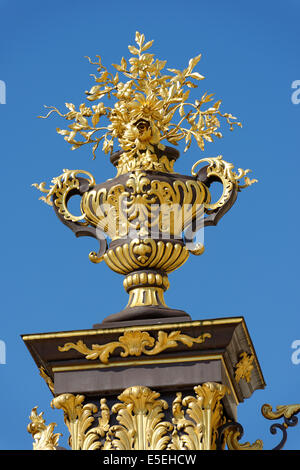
[
  {"x": 151, "y": 326},
  {"x": 136, "y": 362}
]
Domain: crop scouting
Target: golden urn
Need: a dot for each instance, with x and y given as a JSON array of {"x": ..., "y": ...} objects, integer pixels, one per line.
[{"x": 148, "y": 218}]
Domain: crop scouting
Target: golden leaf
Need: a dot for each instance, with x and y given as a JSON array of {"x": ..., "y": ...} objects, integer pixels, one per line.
[
  {"x": 95, "y": 119},
  {"x": 139, "y": 38},
  {"x": 191, "y": 84},
  {"x": 196, "y": 75},
  {"x": 118, "y": 67},
  {"x": 133, "y": 50},
  {"x": 147, "y": 45},
  {"x": 70, "y": 106},
  {"x": 193, "y": 62}
]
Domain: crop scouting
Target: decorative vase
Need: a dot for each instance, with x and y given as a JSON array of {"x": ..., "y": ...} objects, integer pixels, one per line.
[{"x": 148, "y": 217}]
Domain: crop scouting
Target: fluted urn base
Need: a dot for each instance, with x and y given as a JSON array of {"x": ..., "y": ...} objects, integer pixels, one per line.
[
  {"x": 146, "y": 298},
  {"x": 146, "y": 264}
]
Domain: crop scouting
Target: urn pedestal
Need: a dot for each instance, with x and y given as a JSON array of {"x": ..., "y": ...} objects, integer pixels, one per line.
[{"x": 155, "y": 386}]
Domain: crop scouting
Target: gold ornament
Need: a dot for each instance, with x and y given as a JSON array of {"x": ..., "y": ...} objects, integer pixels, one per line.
[
  {"x": 145, "y": 110},
  {"x": 47, "y": 379},
  {"x": 135, "y": 343},
  {"x": 285, "y": 411},
  {"x": 205, "y": 416},
  {"x": 145, "y": 206},
  {"x": 244, "y": 367},
  {"x": 155, "y": 254},
  {"x": 152, "y": 216},
  {"x": 232, "y": 437},
  {"x": 140, "y": 421},
  {"x": 140, "y": 414},
  {"x": 43, "y": 436},
  {"x": 78, "y": 419},
  {"x": 224, "y": 172},
  {"x": 60, "y": 188}
]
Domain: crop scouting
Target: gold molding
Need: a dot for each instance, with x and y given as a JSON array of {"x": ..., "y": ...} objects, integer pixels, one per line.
[
  {"x": 145, "y": 278},
  {"x": 99, "y": 331},
  {"x": 135, "y": 343},
  {"x": 137, "y": 362},
  {"x": 146, "y": 253}
]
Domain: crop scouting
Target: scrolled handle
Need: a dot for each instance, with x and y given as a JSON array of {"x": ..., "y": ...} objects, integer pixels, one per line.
[
  {"x": 62, "y": 189},
  {"x": 218, "y": 170}
]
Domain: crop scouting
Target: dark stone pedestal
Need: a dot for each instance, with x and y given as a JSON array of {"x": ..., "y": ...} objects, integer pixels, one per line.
[{"x": 167, "y": 357}]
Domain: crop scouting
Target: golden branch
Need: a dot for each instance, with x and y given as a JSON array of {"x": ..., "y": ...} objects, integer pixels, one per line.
[{"x": 147, "y": 95}]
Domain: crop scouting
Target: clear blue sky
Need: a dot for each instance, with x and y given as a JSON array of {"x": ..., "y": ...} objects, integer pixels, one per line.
[{"x": 251, "y": 263}]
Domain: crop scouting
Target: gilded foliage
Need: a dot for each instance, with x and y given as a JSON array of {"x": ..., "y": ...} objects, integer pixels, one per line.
[
  {"x": 196, "y": 427},
  {"x": 44, "y": 438},
  {"x": 244, "y": 367},
  {"x": 150, "y": 106},
  {"x": 135, "y": 343},
  {"x": 137, "y": 421}
]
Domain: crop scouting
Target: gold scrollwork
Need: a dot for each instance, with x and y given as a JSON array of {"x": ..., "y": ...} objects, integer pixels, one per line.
[
  {"x": 135, "y": 343},
  {"x": 60, "y": 188},
  {"x": 285, "y": 411},
  {"x": 224, "y": 171},
  {"x": 232, "y": 437},
  {"x": 144, "y": 205}
]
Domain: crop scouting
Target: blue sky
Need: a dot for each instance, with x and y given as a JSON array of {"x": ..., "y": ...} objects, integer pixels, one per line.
[{"x": 250, "y": 268}]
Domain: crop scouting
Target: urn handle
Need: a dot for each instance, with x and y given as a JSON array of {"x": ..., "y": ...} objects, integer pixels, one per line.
[
  {"x": 220, "y": 171},
  {"x": 62, "y": 189}
]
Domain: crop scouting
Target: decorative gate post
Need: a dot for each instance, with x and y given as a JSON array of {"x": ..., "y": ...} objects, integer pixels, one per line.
[{"x": 147, "y": 377}]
